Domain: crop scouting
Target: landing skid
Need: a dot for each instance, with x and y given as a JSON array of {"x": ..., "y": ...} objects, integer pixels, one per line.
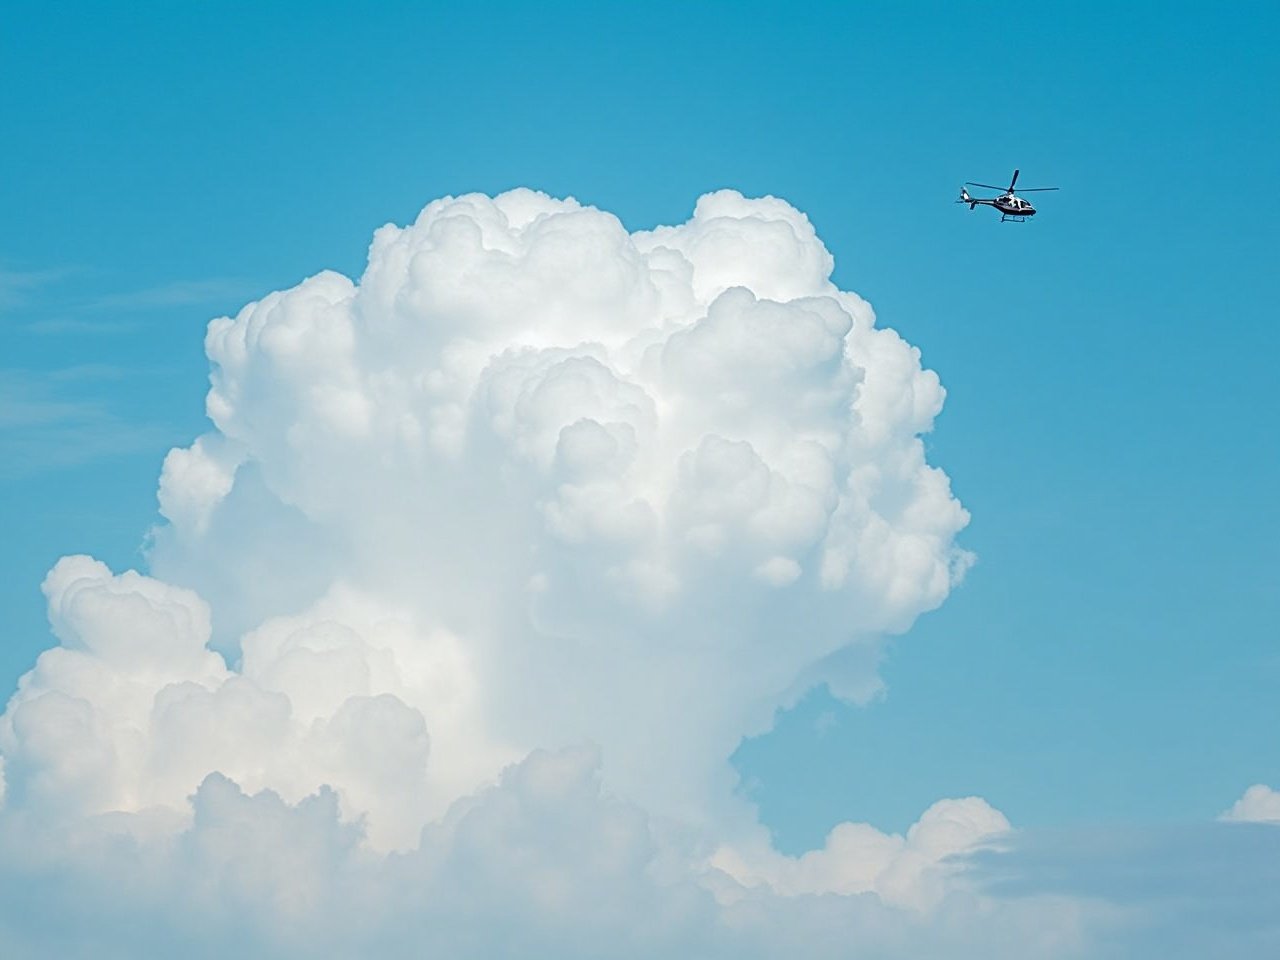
[{"x": 1006, "y": 216}]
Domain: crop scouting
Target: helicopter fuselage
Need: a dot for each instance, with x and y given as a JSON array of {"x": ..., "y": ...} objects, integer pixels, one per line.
[{"x": 1010, "y": 206}]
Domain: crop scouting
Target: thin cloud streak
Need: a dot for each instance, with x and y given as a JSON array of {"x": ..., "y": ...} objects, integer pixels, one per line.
[
  {"x": 176, "y": 294},
  {"x": 43, "y": 429},
  {"x": 80, "y": 312},
  {"x": 16, "y": 286},
  {"x": 62, "y": 326}
]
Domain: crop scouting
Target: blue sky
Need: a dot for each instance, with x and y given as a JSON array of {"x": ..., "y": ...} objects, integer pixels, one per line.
[{"x": 1111, "y": 409}]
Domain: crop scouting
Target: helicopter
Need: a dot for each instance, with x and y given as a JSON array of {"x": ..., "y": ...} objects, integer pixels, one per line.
[{"x": 1011, "y": 207}]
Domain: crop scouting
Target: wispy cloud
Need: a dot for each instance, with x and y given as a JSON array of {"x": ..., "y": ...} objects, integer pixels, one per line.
[
  {"x": 72, "y": 310},
  {"x": 89, "y": 373},
  {"x": 43, "y": 427},
  {"x": 97, "y": 326},
  {"x": 17, "y": 285},
  {"x": 177, "y": 294}
]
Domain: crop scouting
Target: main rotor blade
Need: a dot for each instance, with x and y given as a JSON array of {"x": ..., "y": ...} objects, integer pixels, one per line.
[
  {"x": 1037, "y": 189},
  {"x": 988, "y": 186},
  {"x": 1013, "y": 181}
]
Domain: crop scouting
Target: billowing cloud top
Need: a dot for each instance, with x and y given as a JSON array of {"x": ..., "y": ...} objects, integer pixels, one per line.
[{"x": 532, "y": 482}]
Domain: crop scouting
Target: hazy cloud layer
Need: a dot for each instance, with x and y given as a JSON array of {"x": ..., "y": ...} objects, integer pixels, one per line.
[{"x": 1180, "y": 891}]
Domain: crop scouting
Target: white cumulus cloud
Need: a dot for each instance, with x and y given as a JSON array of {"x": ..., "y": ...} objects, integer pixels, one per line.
[
  {"x": 627, "y": 488},
  {"x": 1258, "y": 804},
  {"x": 532, "y": 481},
  {"x": 908, "y": 871}
]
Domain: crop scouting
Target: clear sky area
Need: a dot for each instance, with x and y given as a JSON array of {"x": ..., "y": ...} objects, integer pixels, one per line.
[{"x": 1107, "y": 673}]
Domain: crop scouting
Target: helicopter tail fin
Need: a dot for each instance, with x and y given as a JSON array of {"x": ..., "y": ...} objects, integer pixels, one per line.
[{"x": 965, "y": 198}]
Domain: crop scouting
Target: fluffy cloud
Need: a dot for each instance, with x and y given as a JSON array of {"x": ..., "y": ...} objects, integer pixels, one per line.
[
  {"x": 533, "y": 481},
  {"x": 624, "y": 488},
  {"x": 542, "y": 863},
  {"x": 1259, "y": 804},
  {"x": 910, "y": 871}
]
